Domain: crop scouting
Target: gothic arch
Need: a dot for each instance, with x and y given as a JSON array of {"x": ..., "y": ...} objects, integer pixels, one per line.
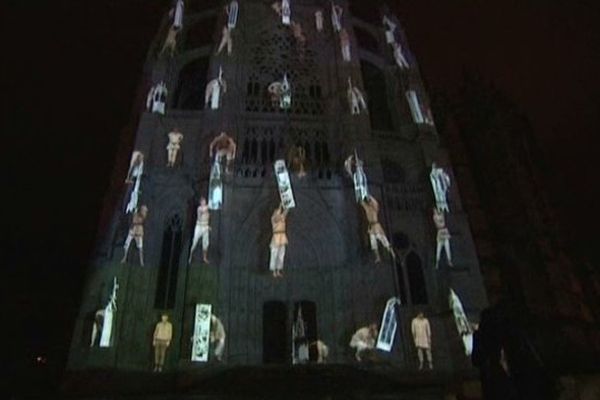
[
  {"x": 377, "y": 99},
  {"x": 192, "y": 81}
]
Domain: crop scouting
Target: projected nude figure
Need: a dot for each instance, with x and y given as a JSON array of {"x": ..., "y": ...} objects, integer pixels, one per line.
[
  {"x": 223, "y": 146},
  {"x": 421, "y": 332},
  {"x": 401, "y": 60},
  {"x": 134, "y": 176},
  {"x": 364, "y": 339},
  {"x": 202, "y": 230},
  {"x": 279, "y": 241},
  {"x": 296, "y": 160},
  {"x": 376, "y": 232},
  {"x": 225, "y": 41},
  {"x": 136, "y": 232},
  {"x": 336, "y": 17},
  {"x": 319, "y": 20},
  {"x": 345, "y": 45},
  {"x": 175, "y": 139},
  {"x": 356, "y": 100},
  {"x": 214, "y": 91},
  {"x": 217, "y": 336},
  {"x": 361, "y": 189},
  {"x": 161, "y": 340},
  {"x": 443, "y": 237},
  {"x": 440, "y": 182},
  {"x": 170, "y": 42}
]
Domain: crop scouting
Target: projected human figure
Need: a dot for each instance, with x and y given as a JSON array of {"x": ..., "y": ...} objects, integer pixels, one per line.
[
  {"x": 319, "y": 20},
  {"x": 376, "y": 232},
  {"x": 279, "y": 241},
  {"x": 225, "y": 41},
  {"x": 157, "y": 98},
  {"x": 296, "y": 160},
  {"x": 361, "y": 189},
  {"x": 336, "y": 17},
  {"x": 161, "y": 340},
  {"x": 202, "y": 230},
  {"x": 281, "y": 93},
  {"x": 170, "y": 42},
  {"x": 440, "y": 182},
  {"x": 443, "y": 237},
  {"x": 356, "y": 100},
  {"x": 134, "y": 176},
  {"x": 214, "y": 91},
  {"x": 322, "y": 351},
  {"x": 223, "y": 146},
  {"x": 217, "y": 337},
  {"x": 136, "y": 232},
  {"x": 401, "y": 60},
  {"x": 178, "y": 15},
  {"x": 175, "y": 139},
  {"x": 421, "y": 332},
  {"x": 364, "y": 339},
  {"x": 345, "y": 45},
  {"x": 463, "y": 326},
  {"x": 232, "y": 10},
  {"x": 103, "y": 319}
]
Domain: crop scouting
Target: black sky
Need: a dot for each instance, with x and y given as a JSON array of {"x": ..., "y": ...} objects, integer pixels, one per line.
[{"x": 72, "y": 68}]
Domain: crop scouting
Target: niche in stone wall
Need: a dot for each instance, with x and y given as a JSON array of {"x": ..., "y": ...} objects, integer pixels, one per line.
[
  {"x": 416, "y": 279},
  {"x": 166, "y": 287},
  {"x": 275, "y": 333},
  {"x": 191, "y": 85},
  {"x": 377, "y": 99}
]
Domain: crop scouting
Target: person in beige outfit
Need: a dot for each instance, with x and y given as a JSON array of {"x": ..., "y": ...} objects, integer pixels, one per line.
[
  {"x": 217, "y": 336},
  {"x": 161, "y": 340},
  {"x": 364, "y": 339},
  {"x": 278, "y": 242},
  {"x": 421, "y": 332},
  {"x": 136, "y": 232},
  {"x": 376, "y": 232}
]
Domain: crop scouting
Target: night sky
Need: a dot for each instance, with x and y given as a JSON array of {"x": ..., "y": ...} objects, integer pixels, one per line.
[{"x": 74, "y": 67}]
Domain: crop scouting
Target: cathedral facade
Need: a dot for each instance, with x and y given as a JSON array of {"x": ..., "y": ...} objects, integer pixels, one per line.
[{"x": 306, "y": 128}]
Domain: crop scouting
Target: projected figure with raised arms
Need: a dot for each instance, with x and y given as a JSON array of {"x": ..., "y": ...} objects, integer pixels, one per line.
[
  {"x": 376, "y": 232},
  {"x": 202, "y": 230},
  {"x": 279, "y": 241}
]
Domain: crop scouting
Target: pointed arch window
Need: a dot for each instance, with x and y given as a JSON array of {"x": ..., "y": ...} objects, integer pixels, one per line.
[{"x": 169, "y": 264}]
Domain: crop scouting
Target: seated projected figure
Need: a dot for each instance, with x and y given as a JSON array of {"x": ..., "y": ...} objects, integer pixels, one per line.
[
  {"x": 361, "y": 189},
  {"x": 217, "y": 337},
  {"x": 202, "y": 230},
  {"x": 322, "y": 351},
  {"x": 136, "y": 232},
  {"x": 281, "y": 92},
  {"x": 223, "y": 146},
  {"x": 214, "y": 91},
  {"x": 225, "y": 40},
  {"x": 356, "y": 100},
  {"x": 440, "y": 182},
  {"x": 157, "y": 98},
  {"x": 175, "y": 139},
  {"x": 296, "y": 160},
  {"x": 401, "y": 60},
  {"x": 364, "y": 339},
  {"x": 136, "y": 169},
  {"x": 443, "y": 237},
  {"x": 390, "y": 30},
  {"x": 376, "y": 232},
  {"x": 336, "y": 17},
  {"x": 170, "y": 42},
  {"x": 345, "y": 45},
  {"x": 232, "y": 10},
  {"x": 421, "y": 332},
  {"x": 279, "y": 241},
  {"x": 319, "y": 20},
  {"x": 161, "y": 340}
]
